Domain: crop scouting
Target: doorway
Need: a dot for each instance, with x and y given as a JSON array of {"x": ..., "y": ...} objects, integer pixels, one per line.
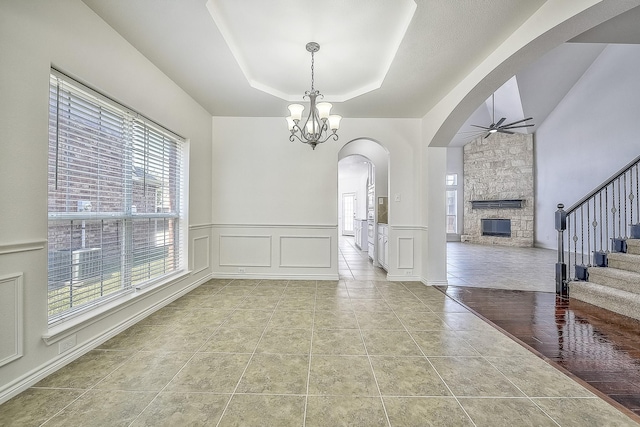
[
  {"x": 363, "y": 166},
  {"x": 348, "y": 213}
]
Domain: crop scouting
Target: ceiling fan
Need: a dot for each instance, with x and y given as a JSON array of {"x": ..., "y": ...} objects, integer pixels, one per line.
[{"x": 499, "y": 127}]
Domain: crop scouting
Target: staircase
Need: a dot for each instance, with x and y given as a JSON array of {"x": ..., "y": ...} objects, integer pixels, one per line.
[
  {"x": 599, "y": 245},
  {"x": 616, "y": 287}
]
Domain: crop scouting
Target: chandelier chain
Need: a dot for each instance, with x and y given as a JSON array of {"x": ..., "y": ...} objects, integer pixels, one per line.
[{"x": 312, "y": 76}]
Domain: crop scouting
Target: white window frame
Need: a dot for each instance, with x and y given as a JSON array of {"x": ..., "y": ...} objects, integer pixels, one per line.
[
  {"x": 451, "y": 184},
  {"x": 163, "y": 263}
]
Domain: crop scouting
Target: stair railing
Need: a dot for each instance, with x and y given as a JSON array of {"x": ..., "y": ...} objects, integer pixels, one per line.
[{"x": 596, "y": 225}]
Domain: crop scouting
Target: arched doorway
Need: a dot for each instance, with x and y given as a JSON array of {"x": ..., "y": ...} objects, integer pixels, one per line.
[{"x": 363, "y": 179}]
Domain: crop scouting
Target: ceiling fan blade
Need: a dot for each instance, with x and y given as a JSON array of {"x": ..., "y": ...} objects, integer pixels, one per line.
[
  {"x": 487, "y": 135},
  {"x": 519, "y": 121},
  {"x": 470, "y": 131},
  {"x": 516, "y": 127},
  {"x": 505, "y": 131},
  {"x": 481, "y": 127},
  {"x": 500, "y": 121}
]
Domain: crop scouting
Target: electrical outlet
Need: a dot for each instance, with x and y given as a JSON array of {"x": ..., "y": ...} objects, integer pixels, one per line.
[
  {"x": 242, "y": 270},
  {"x": 408, "y": 272},
  {"x": 67, "y": 344}
]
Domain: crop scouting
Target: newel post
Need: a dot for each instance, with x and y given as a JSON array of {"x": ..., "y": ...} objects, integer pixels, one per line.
[{"x": 561, "y": 268}]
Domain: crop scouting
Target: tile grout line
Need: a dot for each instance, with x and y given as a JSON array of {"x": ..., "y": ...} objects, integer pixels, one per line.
[
  {"x": 93, "y": 387},
  {"x": 346, "y": 262},
  {"x": 233, "y": 393},
  {"x": 375, "y": 378},
  {"x": 313, "y": 321},
  {"x": 521, "y": 391},
  {"x": 429, "y": 361},
  {"x": 192, "y": 356},
  {"x": 85, "y": 391}
]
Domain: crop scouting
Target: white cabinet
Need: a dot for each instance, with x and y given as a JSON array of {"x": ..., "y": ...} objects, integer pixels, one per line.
[
  {"x": 383, "y": 246},
  {"x": 360, "y": 233},
  {"x": 385, "y": 264}
]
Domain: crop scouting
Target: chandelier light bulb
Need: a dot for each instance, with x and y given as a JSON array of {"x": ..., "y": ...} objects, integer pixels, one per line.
[
  {"x": 290, "y": 123},
  {"x": 324, "y": 108},
  {"x": 296, "y": 111},
  {"x": 334, "y": 122}
]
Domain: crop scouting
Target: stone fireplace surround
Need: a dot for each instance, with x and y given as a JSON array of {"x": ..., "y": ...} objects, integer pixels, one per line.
[{"x": 499, "y": 169}]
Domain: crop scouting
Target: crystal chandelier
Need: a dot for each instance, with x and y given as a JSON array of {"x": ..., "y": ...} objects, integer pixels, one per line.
[{"x": 315, "y": 130}]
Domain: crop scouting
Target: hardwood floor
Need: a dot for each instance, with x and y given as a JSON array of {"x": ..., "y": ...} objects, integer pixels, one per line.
[{"x": 597, "y": 346}]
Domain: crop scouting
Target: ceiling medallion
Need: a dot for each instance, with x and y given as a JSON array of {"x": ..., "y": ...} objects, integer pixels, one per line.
[{"x": 315, "y": 130}]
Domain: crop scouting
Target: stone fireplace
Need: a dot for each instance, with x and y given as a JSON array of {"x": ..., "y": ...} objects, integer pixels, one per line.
[{"x": 498, "y": 190}]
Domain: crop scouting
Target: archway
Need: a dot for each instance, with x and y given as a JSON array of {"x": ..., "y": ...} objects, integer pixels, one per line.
[{"x": 363, "y": 171}]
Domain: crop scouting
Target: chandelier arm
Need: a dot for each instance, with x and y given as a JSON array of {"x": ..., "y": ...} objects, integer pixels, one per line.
[
  {"x": 294, "y": 132},
  {"x": 293, "y": 138},
  {"x": 333, "y": 135}
]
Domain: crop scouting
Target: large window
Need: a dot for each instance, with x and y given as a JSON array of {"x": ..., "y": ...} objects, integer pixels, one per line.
[{"x": 115, "y": 199}]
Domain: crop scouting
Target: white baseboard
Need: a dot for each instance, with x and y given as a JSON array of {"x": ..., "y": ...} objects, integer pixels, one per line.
[
  {"x": 275, "y": 276},
  {"x": 400, "y": 278},
  {"x": 35, "y": 375},
  {"x": 435, "y": 282}
]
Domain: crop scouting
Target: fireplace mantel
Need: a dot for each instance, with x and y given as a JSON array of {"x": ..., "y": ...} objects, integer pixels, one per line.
[{"x": 497, "y": 204}]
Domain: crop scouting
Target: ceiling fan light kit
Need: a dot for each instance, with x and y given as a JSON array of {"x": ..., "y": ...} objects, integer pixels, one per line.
[{"x": 320, "y": 125}]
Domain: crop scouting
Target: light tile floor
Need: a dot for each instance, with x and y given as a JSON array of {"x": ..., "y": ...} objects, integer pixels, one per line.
[
  {"x": 307, "y": 353},
  {"x": 355, "y": 264},
  {"x": 501, "y": 267}
]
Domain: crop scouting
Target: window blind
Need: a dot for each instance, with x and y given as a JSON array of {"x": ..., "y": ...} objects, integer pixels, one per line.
[{"x": 115, "y": 199}]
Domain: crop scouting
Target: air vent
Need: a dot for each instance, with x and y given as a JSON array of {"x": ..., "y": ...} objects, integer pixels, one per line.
[{"x": 497, "y": 204}]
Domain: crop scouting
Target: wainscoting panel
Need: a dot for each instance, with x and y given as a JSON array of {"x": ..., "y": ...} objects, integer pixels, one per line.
[
  {"x": 405, "y": 252},
  {"x": 275, "y": 251},
  {"x": 305, "y": 251},
  {"x": 245, "y": 250},
  {"x": 201, "y": 254},
  {"x": 11, "y": 318}
]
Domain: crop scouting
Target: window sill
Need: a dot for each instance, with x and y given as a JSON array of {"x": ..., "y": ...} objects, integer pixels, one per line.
[{"x": 72, "y": 325}]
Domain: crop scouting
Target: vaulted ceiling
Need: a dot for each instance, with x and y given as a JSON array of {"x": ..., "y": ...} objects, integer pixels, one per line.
[{"x": 392, "y": 58}]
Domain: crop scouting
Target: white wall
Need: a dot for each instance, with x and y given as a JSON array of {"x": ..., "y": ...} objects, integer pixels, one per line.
[
  {"x": 34, "y": 35},
  {"x": 590, "y": 135},
  {"x": 269, "y": 187}
]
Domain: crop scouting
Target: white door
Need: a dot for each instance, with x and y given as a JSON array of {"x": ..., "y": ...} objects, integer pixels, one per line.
[{"x": 348, "y": 213}]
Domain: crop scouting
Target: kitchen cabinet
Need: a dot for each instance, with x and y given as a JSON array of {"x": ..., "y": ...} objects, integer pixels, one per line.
[
  {"x": 360, "y": 233},
  {"x": 383, "y": 246}
]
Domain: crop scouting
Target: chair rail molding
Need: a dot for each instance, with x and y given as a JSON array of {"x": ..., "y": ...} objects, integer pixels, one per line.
[{"x": 12, "y": 248}]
